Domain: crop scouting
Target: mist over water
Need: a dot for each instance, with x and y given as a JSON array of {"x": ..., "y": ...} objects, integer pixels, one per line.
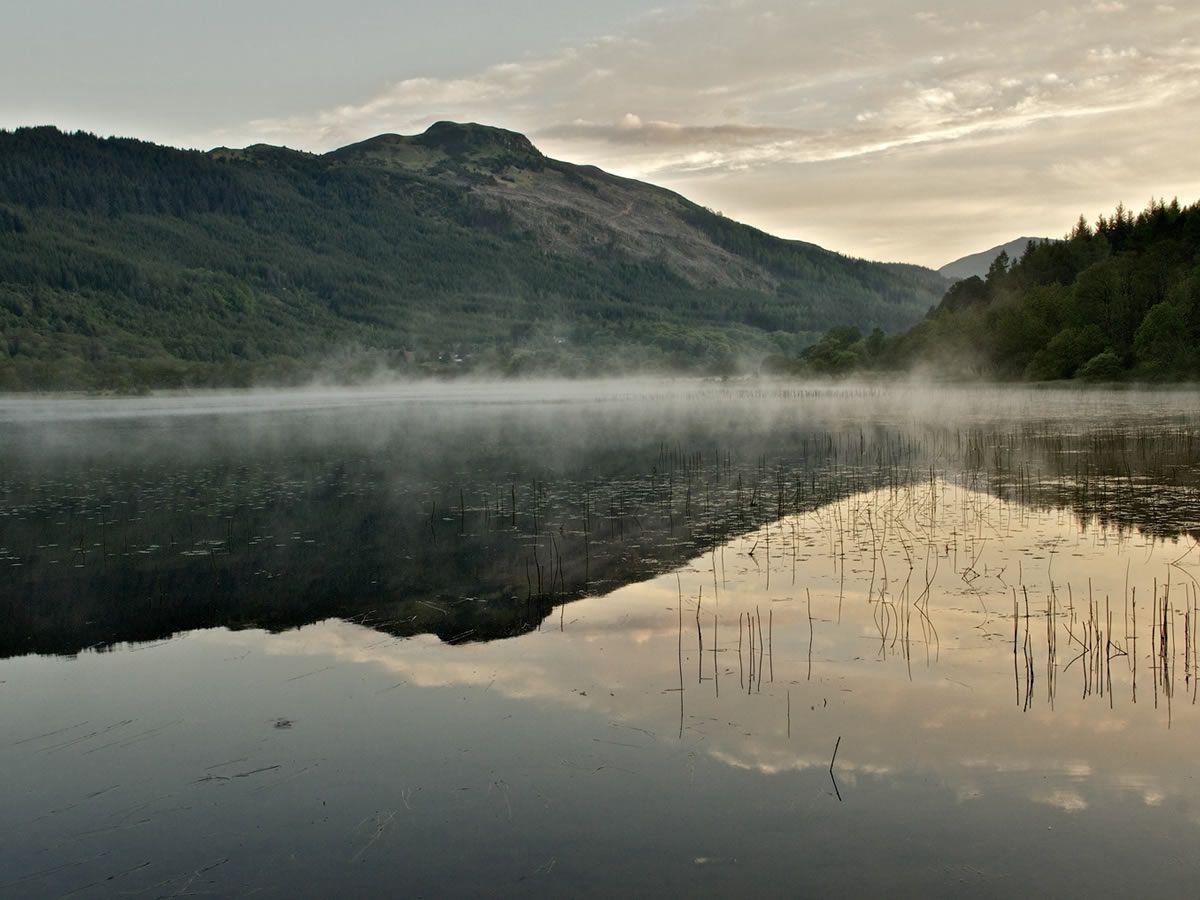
[{"x": 330, "y": 639}]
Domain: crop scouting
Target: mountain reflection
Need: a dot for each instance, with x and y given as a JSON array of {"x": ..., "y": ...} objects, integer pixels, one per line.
[
  {"x": 844, "y": 656},
  {"x": 474, "y": 522}
]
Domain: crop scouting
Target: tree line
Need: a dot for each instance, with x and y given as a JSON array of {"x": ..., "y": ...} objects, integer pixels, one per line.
[{"x": 1115, "y": 300}]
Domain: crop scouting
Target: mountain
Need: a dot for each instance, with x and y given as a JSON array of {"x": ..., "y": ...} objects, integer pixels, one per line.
[
  {"x": 125, "y": 264},
  {"x": 977, "y": 264}
]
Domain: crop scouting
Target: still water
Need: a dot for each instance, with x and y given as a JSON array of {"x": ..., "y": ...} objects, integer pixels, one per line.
[{"x": 595, "y": 639}]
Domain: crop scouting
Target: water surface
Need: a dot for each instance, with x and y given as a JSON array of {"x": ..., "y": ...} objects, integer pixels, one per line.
[{"x": 589, "y": 639}]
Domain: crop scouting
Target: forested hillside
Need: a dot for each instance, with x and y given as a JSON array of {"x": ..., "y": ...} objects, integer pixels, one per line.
[
  {"x": 125, "y": 264},
  {"x": 1119, "y": 300}
]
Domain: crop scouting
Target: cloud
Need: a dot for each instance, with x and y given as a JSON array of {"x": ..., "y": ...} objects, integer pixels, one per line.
[
  {"x": 411, "y": 97},
  {"x": 630, "y": 128}
]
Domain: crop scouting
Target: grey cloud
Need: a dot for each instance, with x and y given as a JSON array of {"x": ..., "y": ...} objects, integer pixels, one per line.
[{"x": 630, "y": 129}]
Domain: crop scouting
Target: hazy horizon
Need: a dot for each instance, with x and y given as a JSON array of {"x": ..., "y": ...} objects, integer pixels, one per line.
[{"x": 904, "y": 131}]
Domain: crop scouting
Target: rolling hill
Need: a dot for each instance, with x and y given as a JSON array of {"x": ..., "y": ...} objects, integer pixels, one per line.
[{"x": 125, "y": 264}]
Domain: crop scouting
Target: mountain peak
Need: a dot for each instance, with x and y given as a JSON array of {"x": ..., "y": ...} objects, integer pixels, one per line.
[
  {"x": 470, "y": 149},
  {"x": 470, "y": 138}
]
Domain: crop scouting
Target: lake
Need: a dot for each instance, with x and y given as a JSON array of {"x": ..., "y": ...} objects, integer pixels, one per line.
[{"x": 601, "y": 638}]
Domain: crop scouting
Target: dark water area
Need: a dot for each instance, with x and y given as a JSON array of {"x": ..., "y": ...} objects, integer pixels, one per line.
[{"x": 597, "y": 638}]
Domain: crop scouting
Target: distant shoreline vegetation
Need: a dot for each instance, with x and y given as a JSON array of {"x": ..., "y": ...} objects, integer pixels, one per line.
[
  {"x": 359, "y": 366},
  {"x": 1117, "y": 301}
]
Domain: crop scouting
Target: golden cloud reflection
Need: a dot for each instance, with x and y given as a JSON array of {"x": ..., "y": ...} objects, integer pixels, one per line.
[{"x": 935, "y": 630}]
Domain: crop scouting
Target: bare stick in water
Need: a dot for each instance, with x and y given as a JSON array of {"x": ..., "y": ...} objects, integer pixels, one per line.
[
  {"x": 680, "y": 586},
  {"x": 810, "y": 632},
  {"x": 833, "y": 777}
]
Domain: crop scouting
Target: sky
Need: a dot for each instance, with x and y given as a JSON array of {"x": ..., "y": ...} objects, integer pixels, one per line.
[{"x": 905, "y": 130}]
